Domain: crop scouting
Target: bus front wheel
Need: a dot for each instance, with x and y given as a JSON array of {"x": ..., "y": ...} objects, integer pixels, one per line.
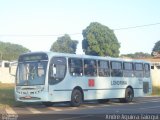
[
  {"x": 76, "y": 98},
  {"x": 129, "y": 95}
]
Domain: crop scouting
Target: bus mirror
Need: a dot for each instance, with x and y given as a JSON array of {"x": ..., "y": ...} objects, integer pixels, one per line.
[{"x": 12, "y": 68}]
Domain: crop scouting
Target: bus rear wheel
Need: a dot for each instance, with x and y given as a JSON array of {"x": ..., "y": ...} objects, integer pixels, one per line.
[
  {"x": 48, "y": 104},
  {"x": 129, "y": 95},
  {"x": 76, "y": 98}
]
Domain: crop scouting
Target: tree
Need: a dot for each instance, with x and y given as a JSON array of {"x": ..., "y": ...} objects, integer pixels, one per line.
[
  {"x": 9, "y": 51},
  {"x": 99, "y": 40},
  {"x": 137, "y": 55},
  {"x": 156, "y": 49},
  {"x": 64, "y": 44}
]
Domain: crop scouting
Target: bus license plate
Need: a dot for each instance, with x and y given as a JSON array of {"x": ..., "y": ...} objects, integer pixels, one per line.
[{"x": 28, "y": 97}]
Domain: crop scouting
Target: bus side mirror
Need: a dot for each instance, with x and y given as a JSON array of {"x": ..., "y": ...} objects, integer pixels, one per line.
[{"x": 12, "y": 69}]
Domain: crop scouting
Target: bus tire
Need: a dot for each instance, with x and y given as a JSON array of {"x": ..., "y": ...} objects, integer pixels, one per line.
[
  {"x": 76, "y": 98},
  {"x": 48, "y": 104},
  {"x": 129, "y": 95}
]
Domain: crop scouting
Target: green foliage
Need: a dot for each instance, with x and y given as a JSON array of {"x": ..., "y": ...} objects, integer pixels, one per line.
[
  {"x": 155, "y": 90},
  {"x": 137, "y": 55},
  {"x": 7, "y": 97},
  {"x": 9, "y": 51},
  {"x": 64, "y": 44},
  {"x": 99, "y": 40},
  {"x": 156, "y": 48},
  {"x": 6, "y": 94}
]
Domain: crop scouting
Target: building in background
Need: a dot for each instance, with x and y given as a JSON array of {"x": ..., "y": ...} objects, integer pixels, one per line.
[
  {"x": 4, "y": 64},
  {"x": 5, "y": 76}
]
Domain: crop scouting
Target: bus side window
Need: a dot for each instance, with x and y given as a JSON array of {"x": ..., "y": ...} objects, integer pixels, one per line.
[
  {"x": 103, "y": 68},
  {"x": 75, "y": 66},
  {"x": 90, "y": 67},
  {"x": 128, "y": 69},
  {"x": 146, "y": 70},
  {"x": 116, "y": 67},
  {"x": 138, "y": 70},
  {"x": 57, "y": 70}
]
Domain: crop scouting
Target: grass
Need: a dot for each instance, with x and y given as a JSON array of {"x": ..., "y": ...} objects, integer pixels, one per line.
[
  {"x": 7, "y": 95},
  {"x": 156, "y": 91}
]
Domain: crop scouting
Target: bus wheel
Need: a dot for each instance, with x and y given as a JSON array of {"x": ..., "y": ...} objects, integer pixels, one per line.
[
  {"x": 47, "y": 104},
  {"x": 76, "y": 98},
  {"x": 129, "y": 95},
  {"x": 103, "y": 100}
]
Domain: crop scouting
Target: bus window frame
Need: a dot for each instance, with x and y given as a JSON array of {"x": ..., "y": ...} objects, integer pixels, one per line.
[
  {"x": 77, "y": 74},
  {"x": 116, "y": 72},
  {"x": 147, "y": 70},
  {"x": 91, "y": 73},
  {"x": 108, "y": 70},
  {"x": 52, "y": 80},
  {"x": 140, "y": 72},
  {"x": 128, "y": 72}
]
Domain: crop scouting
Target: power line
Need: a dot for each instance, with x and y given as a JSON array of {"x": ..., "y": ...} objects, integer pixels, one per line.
[
  {"x": 56, "y": 35},
  {"x": 137, "y": 26}
]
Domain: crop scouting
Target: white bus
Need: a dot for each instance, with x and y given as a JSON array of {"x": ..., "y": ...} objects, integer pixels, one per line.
[{"x": 50, "y": 77}]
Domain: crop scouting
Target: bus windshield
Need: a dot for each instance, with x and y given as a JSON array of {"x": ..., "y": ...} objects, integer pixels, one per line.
[{"x": 31, "y": 73}]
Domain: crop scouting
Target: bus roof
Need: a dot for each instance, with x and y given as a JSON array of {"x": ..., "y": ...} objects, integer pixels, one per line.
[{"x": 51, "y": 54}]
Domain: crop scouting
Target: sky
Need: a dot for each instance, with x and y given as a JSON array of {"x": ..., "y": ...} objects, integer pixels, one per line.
[{"x": 36, "y": 24}]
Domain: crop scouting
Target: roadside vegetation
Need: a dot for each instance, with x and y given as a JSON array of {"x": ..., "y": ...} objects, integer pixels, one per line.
[
  {"x": 7, "y": 95},
  {"x": 10, "y": 51},
  {"x": 156, "y": 91}
]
